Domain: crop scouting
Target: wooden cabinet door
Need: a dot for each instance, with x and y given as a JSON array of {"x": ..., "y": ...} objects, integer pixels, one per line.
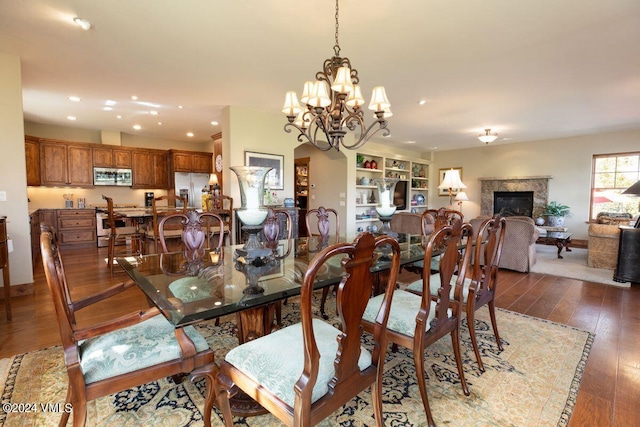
[
  {"x": 161, "y": 170},
  {"x": 53, "y": 164},
  {"x": 143, "y": 169},
  {"x": 80, "y": 165},
  {"x": 122, "y": 158},
  {"x": 182, "y": 162},
  {"x": 32, "y": 154},
  {"x": 202, "y": 163},
  {"x": 103, "y": 157}
]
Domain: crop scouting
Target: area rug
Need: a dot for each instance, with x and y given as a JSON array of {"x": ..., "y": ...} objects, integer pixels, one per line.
[
  {"x": 533, "y": 382},
  {"x": 572, "y": 265}
]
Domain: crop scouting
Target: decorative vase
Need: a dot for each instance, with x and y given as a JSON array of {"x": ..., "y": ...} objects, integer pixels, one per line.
[
  {"x": 385, "y": 208},
  {"x": 367, "y": 164},
  {"x": 374, "y": 164},
  {"x": 364, "y": 181},
  {"x": 555, "y": 221},
  {"x": 539, "y": 221},
  {"x": 252, "y": 211}
]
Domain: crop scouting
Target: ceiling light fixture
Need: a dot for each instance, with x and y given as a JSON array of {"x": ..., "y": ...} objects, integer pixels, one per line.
[
  {"x": 83, "y": 23},
  {"x": 488, "y": 137},
  {"x": 333, "y": 106},
  {"x": 74, "y": 98},
  {"x": 137, "y": 127},
  {"x": 214, "y": 123},
  {"x": 72, "y": 118}
]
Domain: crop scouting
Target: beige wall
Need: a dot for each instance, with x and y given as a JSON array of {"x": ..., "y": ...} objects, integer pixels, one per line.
[
  {"x": 568, "y": 160},
  {"x": 13, "y": 173}
]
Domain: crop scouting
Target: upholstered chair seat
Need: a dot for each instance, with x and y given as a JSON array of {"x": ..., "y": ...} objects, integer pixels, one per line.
[
  {"x": 136, "y": 347},
  {"x": 256, "y": 359},
  {"x": 602, "y": 251}
]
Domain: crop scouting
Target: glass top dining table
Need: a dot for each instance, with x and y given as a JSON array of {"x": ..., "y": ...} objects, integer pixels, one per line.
[{"x": 224, "y": 282}]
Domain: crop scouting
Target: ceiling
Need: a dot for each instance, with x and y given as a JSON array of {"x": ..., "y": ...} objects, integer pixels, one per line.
[{"x": 528, "y": 70}]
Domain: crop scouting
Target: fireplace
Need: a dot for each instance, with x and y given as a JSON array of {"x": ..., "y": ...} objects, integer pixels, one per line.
[
  {"x": 539, "y": 185},
  {"x": 513, "y": 203}
]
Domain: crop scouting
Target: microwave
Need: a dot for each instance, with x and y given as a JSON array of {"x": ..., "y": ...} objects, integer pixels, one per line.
[{"x": 112, "y": 176}]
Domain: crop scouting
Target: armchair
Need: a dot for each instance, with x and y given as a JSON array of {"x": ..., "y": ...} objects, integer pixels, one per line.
[{"x": 519, "y": 249}]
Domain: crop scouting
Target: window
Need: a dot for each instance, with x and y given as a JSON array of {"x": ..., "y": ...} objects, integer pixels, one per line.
[{"x": 612, "y": 174}]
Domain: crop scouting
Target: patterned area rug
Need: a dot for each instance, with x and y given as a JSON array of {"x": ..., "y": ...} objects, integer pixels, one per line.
[{"x": 533, "y": 382}]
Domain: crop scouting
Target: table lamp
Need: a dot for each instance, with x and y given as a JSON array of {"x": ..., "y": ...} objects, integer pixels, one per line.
[
  {"x": 461, "y": 197},
  {"x": 452, "y": 180}
]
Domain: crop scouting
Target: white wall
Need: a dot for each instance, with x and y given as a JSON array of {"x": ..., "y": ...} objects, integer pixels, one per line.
[
  {"x": 567, "y": 160},
  {"x": 13, "y": 172}
]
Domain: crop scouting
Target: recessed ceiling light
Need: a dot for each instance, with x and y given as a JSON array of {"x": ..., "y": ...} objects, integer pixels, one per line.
[
  {"x": 214, "y": 123},
  {"x": 71, "y": 118},
  {"x": 180, "y": 107},
  {"x": 85, "y": 24},
  {"x": 107, "y": 108},
  {"x": 190, "y": 134},
  {"x": 118, "y": 116},
  {"x": 422, "y": 101},
  {"x": 433, "y": 148},
  {"x": 159, "y": 123},
  {"x": 153, "y": 112},
  {"x": 135, "y": 98},
  {"x": 137, "y": 127},
  {"x": 110, "y": 102},
  {"x": 74, "y": 98},
  {"x": 411, "y": 142}
]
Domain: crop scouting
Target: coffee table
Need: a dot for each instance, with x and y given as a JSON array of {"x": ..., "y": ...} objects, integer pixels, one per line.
[{"x": 562, "y": 239}]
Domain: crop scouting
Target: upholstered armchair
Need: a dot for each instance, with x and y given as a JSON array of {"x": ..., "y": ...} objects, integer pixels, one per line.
[
  {"x": 519, "y": 250},
  {"x": 406, "y": 222}
]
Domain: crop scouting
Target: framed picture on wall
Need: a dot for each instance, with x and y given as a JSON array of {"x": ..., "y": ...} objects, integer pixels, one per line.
[
  {"x": 445, "y": 191},
  {"x": 275, "y": 178}
]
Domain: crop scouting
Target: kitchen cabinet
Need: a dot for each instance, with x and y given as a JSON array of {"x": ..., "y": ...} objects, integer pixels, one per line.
[
  {"x": 41, "y": 216},
  {"x": 66, "y": 164},
  {"x": 32, "y": 157},
  {"x": 112, "y": 157},
  {"x": 76, "y": 227},
  {"x": 191, "y": 161},
  {"x": 150, "y": 169}
]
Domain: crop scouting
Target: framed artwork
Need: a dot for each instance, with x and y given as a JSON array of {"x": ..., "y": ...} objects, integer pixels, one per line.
[
  {"x": 275, "y": 178},
  {"x": 445, "y": 191}
]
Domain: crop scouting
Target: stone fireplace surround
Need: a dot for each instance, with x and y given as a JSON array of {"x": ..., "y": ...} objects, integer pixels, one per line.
[{"x": 538, "y": 184}]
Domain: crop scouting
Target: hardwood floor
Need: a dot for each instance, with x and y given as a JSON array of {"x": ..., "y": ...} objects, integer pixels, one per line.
[{"x": 608, "y": 395}]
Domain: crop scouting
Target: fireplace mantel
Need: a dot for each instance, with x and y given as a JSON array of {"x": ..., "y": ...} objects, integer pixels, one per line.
[{"x": 538, "y": 184}]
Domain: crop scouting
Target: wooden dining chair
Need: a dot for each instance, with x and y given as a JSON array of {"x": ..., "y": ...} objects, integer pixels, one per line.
[
  {"x": 305, "y": 372},
  {"x": 417, "y": 321},
  {"x": 441, "y": 217},
  {"x": 120, "y": 353},
  {"x": 478, "y": 288},
  {"x": 223, "y": 205},
  {"x": 323, "y": 227},
  {"x": 160, "y": 209},
  {"x": 271, "y": 232},
  {"x": 123, "y": 234},
  {"x": 198, "y": 232}
]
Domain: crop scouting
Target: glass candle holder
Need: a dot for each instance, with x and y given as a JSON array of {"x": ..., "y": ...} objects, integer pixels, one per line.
[
  {"x": 252, "y": 211},
  {"x": 386, "y": 208}
]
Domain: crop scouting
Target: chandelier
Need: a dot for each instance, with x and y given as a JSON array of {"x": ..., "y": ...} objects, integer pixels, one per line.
[
  {"x": 488, "y": 137},
  {"x": 333, "y": 105}
]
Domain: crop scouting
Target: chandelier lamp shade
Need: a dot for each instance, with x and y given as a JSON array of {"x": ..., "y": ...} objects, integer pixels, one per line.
[
  {"x": 452, "y": 180},
  {"x": 332, "y": 105},
  {"x": 488, "y": 137}
]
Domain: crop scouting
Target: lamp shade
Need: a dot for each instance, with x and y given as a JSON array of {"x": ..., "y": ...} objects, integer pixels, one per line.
[
  {"x": 379, "y": 101},
  {"x": 634, "y": 190},
  {"x": 213, "y": 179},
  {"x": 291, "y": 106},
  {"x": 342, "y": 83},
  {"x": 462, "y": 196},
  {"x": 452, "y": 180}
]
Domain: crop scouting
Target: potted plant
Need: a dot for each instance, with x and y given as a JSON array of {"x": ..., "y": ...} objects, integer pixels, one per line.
[
  {"x": 359, "y": 160},
  {"x": 556, "y": 213}
]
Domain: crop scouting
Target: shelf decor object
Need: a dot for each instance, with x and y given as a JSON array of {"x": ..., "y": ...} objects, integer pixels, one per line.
[
  {"x": 252, "y": 211},
  {"x": 385, "y": 207},
  {"x": 332, "y": 106}
]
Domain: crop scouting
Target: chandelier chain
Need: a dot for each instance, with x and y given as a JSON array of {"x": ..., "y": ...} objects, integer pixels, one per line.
[{"x": 336, "y": 48}]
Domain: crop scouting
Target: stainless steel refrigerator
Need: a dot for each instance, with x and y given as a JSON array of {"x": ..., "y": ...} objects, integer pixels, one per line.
[{"x": 191, "y": 185}]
